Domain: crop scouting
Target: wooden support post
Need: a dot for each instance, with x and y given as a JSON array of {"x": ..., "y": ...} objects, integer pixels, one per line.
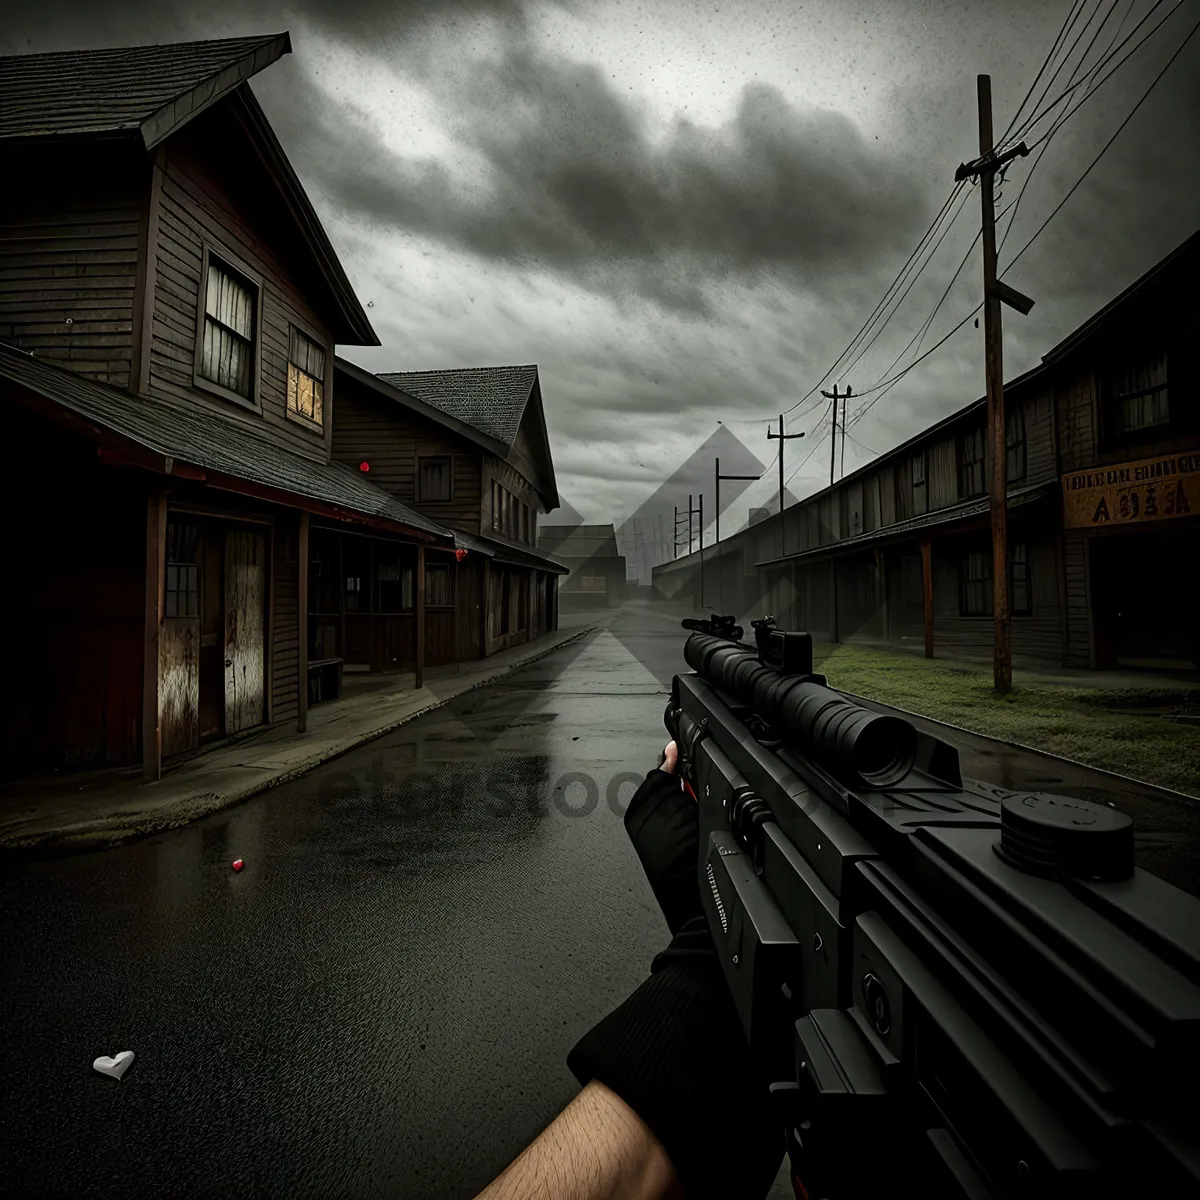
[
  {"x": 302, "y": 685},
  {"x": 420, "y": 682},
  {"x": 485, "y": 599},
  {"x": 156, "y": 557},
  {"x": 927, "y": 589}
]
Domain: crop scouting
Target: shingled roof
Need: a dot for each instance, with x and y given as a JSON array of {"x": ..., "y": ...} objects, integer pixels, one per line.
[
  {"x": 490, "y": 399},
  {"x": 152, "y": 89},
  {"x": 203, "y": 438},
  {"x": 152, "y": 92}
]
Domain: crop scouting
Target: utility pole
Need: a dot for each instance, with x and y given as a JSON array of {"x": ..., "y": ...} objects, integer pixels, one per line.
[
  {"x": 717, "y": 477},
  {"x": 782, "y": 437},
  {"x": 833, "y": 450},
  {"x": 984, "y": 168}
]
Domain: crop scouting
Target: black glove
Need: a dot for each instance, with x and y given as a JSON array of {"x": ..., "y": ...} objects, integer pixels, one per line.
[
  {"x": 664, "y": 826},
  {"x": 674, "y": 1051}
]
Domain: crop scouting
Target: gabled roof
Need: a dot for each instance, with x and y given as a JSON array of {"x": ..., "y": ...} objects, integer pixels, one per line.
[
  {"x": 389, "y": 391},
  {"x": 493, "y": 401},
  {"x": 154, "y": 91},
  {"x": 151, "y": 89},
  {"x": 490, "y": 399},
  {"x": 1094, "y": 323},
  {"x": 199, "y": 443}
]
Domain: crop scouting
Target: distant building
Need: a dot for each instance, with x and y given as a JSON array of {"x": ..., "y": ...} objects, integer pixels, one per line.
[{"x": 597, "y": 577}]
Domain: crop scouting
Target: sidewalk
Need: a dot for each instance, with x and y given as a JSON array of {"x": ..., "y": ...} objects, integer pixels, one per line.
[{"x": 67, "y": 813}]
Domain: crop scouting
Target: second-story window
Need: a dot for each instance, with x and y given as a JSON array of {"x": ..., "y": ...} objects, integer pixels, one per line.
[
  {"x": 306, "y": 377},
  {"x": 495, "y": 505},
  {"x": 919, "y": 491},
  {"x": 970, "y": 464},
  {"x": 433, "y": 479},
  {"x": 227, "y": 341},
  {"x": 1014, "y": 442},
  {"x": 1139, "y": 395}
]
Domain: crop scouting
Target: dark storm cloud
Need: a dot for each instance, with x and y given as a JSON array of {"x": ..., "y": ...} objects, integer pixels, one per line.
[{"x": 577, "y": 186}]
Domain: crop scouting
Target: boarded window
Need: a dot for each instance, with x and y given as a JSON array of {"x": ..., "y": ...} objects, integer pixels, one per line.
[
  {"x": 227, "y": 353},
  {"x": 306, "y": 377},
  {"x": 1014, "y": 441},
  {"x": 970, "y": 464},
  {"x": 1139, "y": 395},
  {"x": 1020, "y": 591},
  {"x": 975, "y": 591},
  {"x": 439, "y": 585},
  {"x": 434, "y": 475}
]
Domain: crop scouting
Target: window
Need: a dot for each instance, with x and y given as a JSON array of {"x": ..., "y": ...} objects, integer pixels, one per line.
[
  {"x": 970, "y": 464},
  {"x": 975, "y": 598},
  {"x": 1014, "y": 441},
  {"x": 182, "y": 592},
  {"x": 226, "y": 350},
  {"x": 1139, "y": 395},
  {"x": 495, "y": 505},
  {"x": 395, "y": 582},
  {"x": 1020, "y": 592},
  {"x": 434, "y": 479},
  {"x": 354, "y": 594},
  {"x": 306, "y": 377},
  {"x": 920, "y": 497},
  {"x": 439, "y": 585}
]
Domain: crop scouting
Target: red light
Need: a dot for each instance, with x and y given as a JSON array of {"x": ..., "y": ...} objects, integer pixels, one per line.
[
  {"x": 460, "y": 555},
  {"x": 364, "y": 466}
]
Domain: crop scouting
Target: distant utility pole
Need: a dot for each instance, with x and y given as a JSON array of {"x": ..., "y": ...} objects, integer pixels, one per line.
[
  {"x": 833, "y": 450},
  {"x": 782, "y": 437},
  {"x": 717, "y": 476},
  {"x": 984, "y": 168}
]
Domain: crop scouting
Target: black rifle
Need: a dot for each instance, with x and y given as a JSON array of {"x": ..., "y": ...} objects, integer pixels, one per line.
[{"x": 958, "y": 989}]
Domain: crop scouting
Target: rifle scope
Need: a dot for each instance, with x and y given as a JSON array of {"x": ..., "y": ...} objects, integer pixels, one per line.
[{"x": 824, "y": 725}]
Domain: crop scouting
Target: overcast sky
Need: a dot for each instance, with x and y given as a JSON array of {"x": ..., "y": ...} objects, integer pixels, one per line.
[{"x": 683, "y": 211}]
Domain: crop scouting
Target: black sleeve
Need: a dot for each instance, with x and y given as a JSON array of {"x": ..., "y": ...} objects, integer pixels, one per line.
[{"x": 674, "y": 1051}]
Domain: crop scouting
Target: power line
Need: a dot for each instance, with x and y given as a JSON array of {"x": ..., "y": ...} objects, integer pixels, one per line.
[
  {"x": 1065, "y": 29},
  {"x": 895, "y": 283},
  {"x": 1104, "y": 149},
  {"x": 1103, "y": 62}
]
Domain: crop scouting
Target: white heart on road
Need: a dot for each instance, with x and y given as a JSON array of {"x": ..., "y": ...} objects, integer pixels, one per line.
[{"x": 114, "y": 1068}]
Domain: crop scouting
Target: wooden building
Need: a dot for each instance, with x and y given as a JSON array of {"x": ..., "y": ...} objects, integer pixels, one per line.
[
  {"x": 598, "y": 573},
  {"x": 169, "y": 308},
  {"x": 468, "y": 449},
  {"x": 1103, "y": 469}
]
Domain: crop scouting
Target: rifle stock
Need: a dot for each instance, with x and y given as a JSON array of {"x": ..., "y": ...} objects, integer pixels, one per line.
[{"x": 950, "y": 987}]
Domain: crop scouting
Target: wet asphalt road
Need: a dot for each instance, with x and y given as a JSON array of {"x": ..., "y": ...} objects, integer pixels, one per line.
[{"x": 382, "y": 1002}]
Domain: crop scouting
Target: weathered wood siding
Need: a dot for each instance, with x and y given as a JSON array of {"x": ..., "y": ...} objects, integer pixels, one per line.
[
  {"x": 179, "y": 684},
  {"x": 524, "y": 454},
  {"x": 507, "y": 476},
  {"x": 68, "y": 254},
  {"x": 1040, "y": 448},
  {"x": 378, "y": 431},
  {"x": 1078, "y": 650},
  {"x": 1076, "y": 420},
  {"x": 1035, "y": 639},
  {"x": 209, "y": 190},
  {"x": 942, "y": 473}
]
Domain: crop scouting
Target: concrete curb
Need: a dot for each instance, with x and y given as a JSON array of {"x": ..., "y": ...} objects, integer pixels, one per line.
[
  {"x": 106, "y": 834},
  {"x": 1073, "y": 762}
]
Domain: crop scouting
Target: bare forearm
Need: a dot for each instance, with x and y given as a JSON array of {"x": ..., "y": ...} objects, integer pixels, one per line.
[{"x": 596, "y": 1148}]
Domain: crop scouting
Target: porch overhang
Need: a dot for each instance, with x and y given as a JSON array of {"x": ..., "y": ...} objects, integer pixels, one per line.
[
  {"x": 946, "y": 520},
  {"x": 197, "y": 445}
]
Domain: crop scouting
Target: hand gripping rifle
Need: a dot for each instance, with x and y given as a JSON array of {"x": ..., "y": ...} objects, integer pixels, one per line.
[{"x": 958, "y": 990}]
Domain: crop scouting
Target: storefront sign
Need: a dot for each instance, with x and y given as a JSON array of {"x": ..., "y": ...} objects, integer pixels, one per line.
[{"x": 1154, "y": 489}]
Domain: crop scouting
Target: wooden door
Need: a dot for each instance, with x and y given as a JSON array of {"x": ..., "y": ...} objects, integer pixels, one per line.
[{"x": 245, "y": 591}]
